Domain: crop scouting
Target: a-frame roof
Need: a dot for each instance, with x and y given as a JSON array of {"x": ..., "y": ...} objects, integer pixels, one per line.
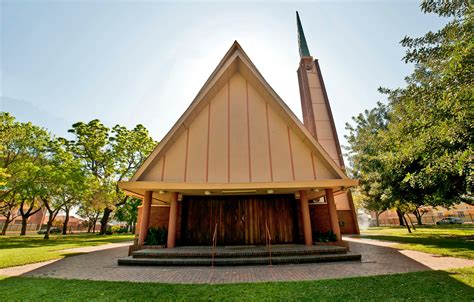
[{"x": 236, "y": 66}]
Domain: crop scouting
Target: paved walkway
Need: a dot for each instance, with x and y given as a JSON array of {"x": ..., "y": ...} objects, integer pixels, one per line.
[{"x": 100, "y": 263}]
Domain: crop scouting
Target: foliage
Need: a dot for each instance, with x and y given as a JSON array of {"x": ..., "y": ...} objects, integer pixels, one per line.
[
  {"x": 111, "y": 156},
  {"x": 117, "y": 229},
  {"x": 22, "y": 157},
  {"x": 156, "y": 236},
  {"x": 451, "y": 285},
  {"x": 417, "y": 150},
  {"x": 328, "y": 236},
  {"x": 128, "y": 212}
]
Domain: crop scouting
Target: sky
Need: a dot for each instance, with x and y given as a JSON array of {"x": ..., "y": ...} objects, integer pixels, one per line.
[{"x": 143, "y": 62}]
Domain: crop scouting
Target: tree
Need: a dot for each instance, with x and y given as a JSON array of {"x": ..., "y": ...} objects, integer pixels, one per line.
[
  {"x": 64, "y": 182},
  {"x": 423, "y": 154},
  {"x": 433, "y": 124},
  {"x": 92, "y": 204},
  {"x": 128, "y": 212},
  {"x": 111, "y": 156},
  {"x": 21, "y": 156},
  {"x": 8, "y": 209},
  {"x": 366, "y": 157}
]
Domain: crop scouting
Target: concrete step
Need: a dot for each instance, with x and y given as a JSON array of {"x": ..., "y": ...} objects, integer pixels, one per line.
[
  {"x": 239, "y": 261},
  {"x": 246, "y": 252}
]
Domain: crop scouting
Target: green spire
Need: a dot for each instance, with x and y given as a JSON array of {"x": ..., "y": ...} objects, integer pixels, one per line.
[{"x": 304, "y": 51}]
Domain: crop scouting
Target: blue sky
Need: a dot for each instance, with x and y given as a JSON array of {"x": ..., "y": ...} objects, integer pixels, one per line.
[{"x": 133, "y": 62}]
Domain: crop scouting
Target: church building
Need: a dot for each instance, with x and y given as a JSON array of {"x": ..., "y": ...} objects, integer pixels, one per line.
[{"x": 239, "y": 167}]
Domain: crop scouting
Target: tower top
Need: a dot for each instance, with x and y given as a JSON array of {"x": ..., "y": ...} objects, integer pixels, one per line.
[{"x": 303, "y": 46}]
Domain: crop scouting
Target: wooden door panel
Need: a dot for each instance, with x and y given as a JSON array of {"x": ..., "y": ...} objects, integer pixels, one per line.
[{"x": 240, "y": 219}]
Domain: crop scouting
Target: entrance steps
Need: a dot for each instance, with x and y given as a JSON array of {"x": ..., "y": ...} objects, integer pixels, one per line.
[{"x": 241, "y": 255}]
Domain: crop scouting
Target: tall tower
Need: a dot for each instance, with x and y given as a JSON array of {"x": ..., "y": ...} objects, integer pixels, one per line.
[{"x": 318, "y": 119}]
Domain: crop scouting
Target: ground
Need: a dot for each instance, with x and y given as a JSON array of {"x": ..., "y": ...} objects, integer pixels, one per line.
[
  {"x": 406, "y": 274},
  {"x": 20, "y": 250},
  {"x": 419, "y": 286},
  {"x": 448, "y": 240}
]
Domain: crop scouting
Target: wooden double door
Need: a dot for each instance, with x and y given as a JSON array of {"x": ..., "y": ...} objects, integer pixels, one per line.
[{"x": 240, "y": 220}]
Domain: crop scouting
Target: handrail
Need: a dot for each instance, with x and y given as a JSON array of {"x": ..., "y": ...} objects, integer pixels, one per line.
[
  {"x": 214, "y": 244},
  {"x": 268, "y": 240}
]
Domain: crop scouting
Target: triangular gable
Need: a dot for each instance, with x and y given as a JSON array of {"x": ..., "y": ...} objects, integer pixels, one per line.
[{"x": 239, "y": 130}]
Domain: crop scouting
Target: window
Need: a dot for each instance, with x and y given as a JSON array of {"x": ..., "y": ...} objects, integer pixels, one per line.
[{"x": 461, "y": 213}]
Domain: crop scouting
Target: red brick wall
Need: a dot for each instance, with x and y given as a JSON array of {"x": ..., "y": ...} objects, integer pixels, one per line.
[
  {"x": 346, "y": 222},
  {"x": 159, "y": 217},
  {"x": 319, "y": 218}
]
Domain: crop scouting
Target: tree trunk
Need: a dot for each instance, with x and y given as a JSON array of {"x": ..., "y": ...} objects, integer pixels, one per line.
[
  {"x": 93, "y": 226},
  {"x": 418, "y": 217},
  {"x": 89, "y": 227},
  {"x": 7, "y": 222},
  {"x": 105, "y": 220},
  {"x": 48, "y": 227},
  {"x": 66, "y": 221},
  {"x": 377, "y": 222},
  {"x": 24, "y": 223},
  {"x": 406, "y": 223},
  {"x": 400, "y": 217},
  {"x": 411, "y": 222},
  {"x": 5, "y": 227}
]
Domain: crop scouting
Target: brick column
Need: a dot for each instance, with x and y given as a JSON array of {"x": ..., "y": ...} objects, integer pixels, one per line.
[
  {"x": 308, "y": 234},
  {"x": 333, "y": 213},
  {"x": 173, "y": 221},
  {"x": 145, "y": 217}
]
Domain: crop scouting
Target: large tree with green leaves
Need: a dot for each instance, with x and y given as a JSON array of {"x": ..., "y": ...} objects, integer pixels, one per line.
[
  {"x": 425, "y": 150},
  {"x": 64, "y": 182},
  {"x": 432, "y": 121},
  {"x": 111, "y": 156},
  {"x": 24, "y": 147}
]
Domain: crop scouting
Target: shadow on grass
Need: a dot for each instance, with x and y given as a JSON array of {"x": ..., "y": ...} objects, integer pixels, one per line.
[{"x": 419, "y": 286}]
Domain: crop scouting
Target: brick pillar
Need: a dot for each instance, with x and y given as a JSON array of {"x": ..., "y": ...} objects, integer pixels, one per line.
[
  {"x": 333, "y": 213},
  {"x": 308, "y": 234},
  {"x": 145, "y": 217},
  {"x": 173, "y": 221}
]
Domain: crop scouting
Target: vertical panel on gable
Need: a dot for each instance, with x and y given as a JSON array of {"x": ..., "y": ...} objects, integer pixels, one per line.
[
  {"x": 217, "y": 167},
  {"x": 239, "y": 157},
  {"x": 197, "y": 148},
  {"x": 317, "y": 95},
  {"x": 342, "y": 202},
  {"x": 322, "y": 169},
  {"x": 174, "y": 162},
  {"x": 259, "y": 156},
  {"x": 329, "y": 146},
  {"x": 280, "y": 148},
  {"x": 154, "y": 172},
  {"x": 301, "y": 158}
]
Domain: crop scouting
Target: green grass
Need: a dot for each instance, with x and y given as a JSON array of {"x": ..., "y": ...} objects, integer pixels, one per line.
[
  {"x": 452, "y": 285},
  {"x": 454, "y": 241},
  {"x": 20, "y": 250}
]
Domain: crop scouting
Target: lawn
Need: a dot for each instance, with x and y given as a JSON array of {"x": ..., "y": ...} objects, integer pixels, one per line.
[
  {"x": 454, "y": 241},
  {"x": 452, "y": 285},
  {"x": 20, "y": 250}
]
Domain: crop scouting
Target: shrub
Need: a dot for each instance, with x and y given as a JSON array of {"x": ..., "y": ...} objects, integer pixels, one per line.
[
  {"x": 156, "y": 236},
  {"x": 328, "y": 236},
  {"x": 117, "y": 229}
]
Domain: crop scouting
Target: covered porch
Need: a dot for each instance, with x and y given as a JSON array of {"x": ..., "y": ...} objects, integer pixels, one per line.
[{"x": 238, "y": 214}]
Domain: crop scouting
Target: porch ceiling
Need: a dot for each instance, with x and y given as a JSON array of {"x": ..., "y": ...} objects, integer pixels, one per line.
[{"x": 138, "y": 188}]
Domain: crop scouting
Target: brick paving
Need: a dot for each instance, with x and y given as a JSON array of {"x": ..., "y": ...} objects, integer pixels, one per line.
[{"x": 377, "y": 258}]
